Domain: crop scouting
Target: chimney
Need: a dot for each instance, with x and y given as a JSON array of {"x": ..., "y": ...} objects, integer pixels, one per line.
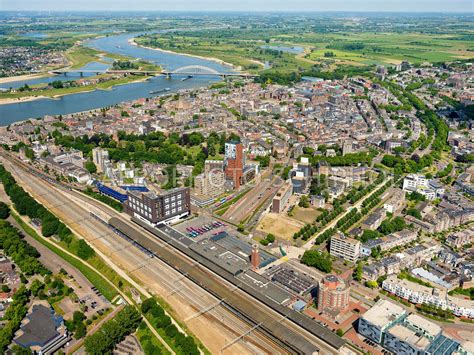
[{"x": 255, "y": 257}]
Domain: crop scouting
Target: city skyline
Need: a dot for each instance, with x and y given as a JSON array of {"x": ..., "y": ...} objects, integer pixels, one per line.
[{"x": 464, "y": 6}]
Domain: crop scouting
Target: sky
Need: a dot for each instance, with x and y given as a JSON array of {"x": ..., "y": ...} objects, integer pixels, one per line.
[{"x": 241, "y": 5}]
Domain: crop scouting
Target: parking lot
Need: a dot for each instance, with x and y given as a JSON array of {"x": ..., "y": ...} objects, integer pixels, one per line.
[{"x": 200, "y": 228}]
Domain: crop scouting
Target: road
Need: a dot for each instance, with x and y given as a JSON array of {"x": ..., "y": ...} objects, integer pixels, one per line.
[
  {"x": 247, "y": 204},
  {"x": 308, "y": 245},
  {"x": 215, "y": 328}
]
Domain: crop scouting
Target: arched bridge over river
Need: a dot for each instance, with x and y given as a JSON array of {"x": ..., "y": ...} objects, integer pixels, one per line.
[{"x": 191, "y": 70}]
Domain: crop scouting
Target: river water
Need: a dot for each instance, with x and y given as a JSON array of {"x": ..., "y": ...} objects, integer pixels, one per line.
[{"x": 117, "y": 44}]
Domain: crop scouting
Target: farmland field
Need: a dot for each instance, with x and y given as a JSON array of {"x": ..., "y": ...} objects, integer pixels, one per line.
[{"x": 325, "y": 43}]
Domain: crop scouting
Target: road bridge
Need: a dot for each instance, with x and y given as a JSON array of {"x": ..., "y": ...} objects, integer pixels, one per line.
[{"x": 189, "y": 71}]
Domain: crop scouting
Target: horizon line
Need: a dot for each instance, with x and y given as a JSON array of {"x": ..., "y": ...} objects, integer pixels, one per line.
[{"x": 249, "y": 10}]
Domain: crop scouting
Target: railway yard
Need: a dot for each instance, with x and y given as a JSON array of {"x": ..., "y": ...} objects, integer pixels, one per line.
[{"x": 200, "y": 292}]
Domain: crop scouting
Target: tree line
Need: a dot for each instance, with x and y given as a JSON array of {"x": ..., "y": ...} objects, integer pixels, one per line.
[
  {"x": 155, "y": 313},
  {"x": 113, "y": 332},
  {"x": 50, "y": 224}
]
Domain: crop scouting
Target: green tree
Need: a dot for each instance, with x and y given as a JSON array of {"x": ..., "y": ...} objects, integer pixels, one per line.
[
  {"x": 304, "y": 201},
  {"x": 4, "y": 210},
  {"x": 81, "y": 331},
  {"x": 319, "y": 260},
  {"x": 84, "y": 251},
  {"x": 270, "y": 237},
  {"x": 90, "y": 166},
  {"x": 414, "y": 212}
]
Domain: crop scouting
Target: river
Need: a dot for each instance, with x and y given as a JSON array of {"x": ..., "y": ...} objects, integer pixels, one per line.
[{"x": 117, "y": 44}]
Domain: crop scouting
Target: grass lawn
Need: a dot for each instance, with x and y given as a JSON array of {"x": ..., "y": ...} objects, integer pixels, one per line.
[
  {"x": 96, "y": 279},
  {"x": 305, "y": 215},
  {"x": 73, "y": 90},
  {"x": 80, "y": 56}
]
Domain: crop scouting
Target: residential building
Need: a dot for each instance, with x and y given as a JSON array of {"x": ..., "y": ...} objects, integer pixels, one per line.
[
  {"x": 374, "y": 220},
  {"x": 395, "y": 203},
  {"x": 459, "y": 239},
  {"x": 323, "y": 168},
  {"x": 333, "y": 294},
  {"x": 156, "y": 209},
  {"x": 347, "y": 147},
  {"x": 210, "y": 184},
  {"x": 419, "y": 294},
  {"x": 344, "y": 247}
]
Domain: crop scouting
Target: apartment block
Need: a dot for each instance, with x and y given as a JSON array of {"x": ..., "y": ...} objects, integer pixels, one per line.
[{"x": 345, "y": 247}]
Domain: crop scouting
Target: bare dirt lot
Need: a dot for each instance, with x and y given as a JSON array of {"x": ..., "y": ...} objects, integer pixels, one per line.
[{"x": 280, "y": 225}]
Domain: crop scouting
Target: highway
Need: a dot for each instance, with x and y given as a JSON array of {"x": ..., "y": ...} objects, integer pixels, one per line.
[{"x": 216, "y": 327}]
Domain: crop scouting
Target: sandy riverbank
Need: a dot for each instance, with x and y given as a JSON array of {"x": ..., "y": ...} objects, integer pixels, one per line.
[
  {"x": 21, "y": 99},
  {"x": 7, "y": 101},
  {"x": 212, "y": 59},
  {"x": 10, "y": 79}
]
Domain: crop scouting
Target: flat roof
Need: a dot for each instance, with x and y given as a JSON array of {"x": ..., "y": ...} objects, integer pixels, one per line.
[
  {"x": 265, "y": 286},
  {"x": 383, "y": 313},
  {"x": 429, "y": 327},
  {"x": 409, "y": 336},
  {"x": 220, "y": 256}
]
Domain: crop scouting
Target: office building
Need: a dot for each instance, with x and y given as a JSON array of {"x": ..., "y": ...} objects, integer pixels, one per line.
[
  {"x": 234, "y": 163},
  {"x": 100, "y": 157},
  {"x": 317, "y": 201},
  {"x": 391, "y": 326},
  {"x": 305, "y": 166},
  {"x": 156, "y": 209},
  {"x": 299, "y": 182},
  {"x": 42, "y": 331},
  {"x": 333, "y": 295},
  {"x": 281, "y": 198},
  {"x": 374, "y": 323},
  {"x": 344, "y": 247},
  {"x": 431, "y": 189}
]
